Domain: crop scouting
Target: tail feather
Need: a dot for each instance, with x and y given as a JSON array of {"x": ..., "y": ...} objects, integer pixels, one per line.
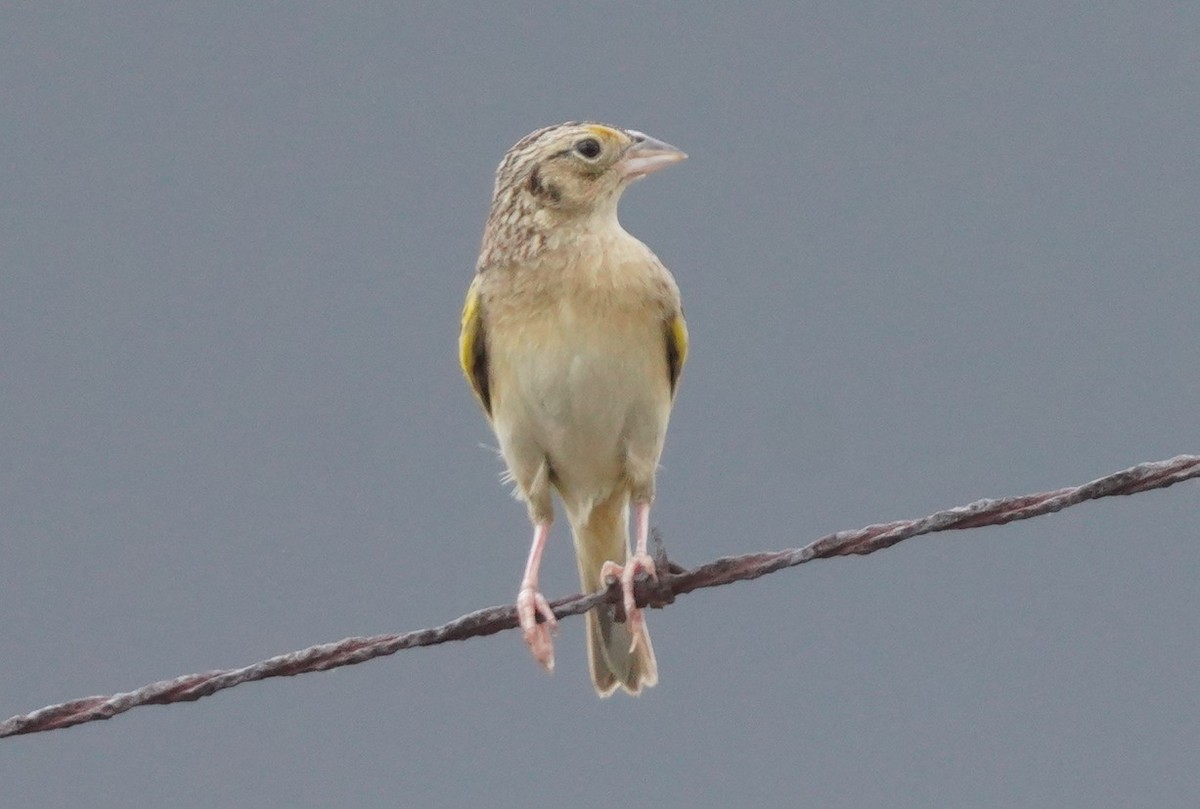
[{"x": 602, "y": 535}]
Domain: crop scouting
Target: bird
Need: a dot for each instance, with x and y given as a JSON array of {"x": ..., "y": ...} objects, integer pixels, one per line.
[{"x": 573, "y": 340}]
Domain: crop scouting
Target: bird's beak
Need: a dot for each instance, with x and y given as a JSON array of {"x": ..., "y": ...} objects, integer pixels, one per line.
[{"x": 646, "y": 156}]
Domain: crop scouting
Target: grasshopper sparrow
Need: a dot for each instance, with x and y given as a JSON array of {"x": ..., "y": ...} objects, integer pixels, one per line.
[{"x": 573, "y": 339}]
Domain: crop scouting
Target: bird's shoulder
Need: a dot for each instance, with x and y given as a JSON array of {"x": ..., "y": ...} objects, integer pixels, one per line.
[{"x": 600, "y": 273}]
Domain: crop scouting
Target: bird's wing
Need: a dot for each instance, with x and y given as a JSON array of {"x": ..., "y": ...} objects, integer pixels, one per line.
[
  {"x": 472, "y": 347},
  {"x": 677, "y": 348}
]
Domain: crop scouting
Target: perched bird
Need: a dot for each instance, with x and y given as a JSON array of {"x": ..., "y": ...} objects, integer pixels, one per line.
[{"x": 573, "y": 340}]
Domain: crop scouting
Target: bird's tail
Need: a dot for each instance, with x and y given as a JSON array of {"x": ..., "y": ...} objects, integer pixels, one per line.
[{"x": 602, "y": 535}]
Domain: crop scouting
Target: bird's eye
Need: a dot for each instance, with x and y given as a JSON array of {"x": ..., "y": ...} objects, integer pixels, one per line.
[{"x": 589, "y": 148}]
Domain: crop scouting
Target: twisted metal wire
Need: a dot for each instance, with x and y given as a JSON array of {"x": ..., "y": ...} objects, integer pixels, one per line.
[{"x": 672, "y": 581}]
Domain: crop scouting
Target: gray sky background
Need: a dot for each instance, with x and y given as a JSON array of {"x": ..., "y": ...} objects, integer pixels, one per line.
[{"x": 929, "y": 252}]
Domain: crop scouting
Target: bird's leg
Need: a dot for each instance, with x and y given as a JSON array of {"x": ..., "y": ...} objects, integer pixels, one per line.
[
  {"x": 531, "y": 603},
  {"x": 640, "y": 562}
]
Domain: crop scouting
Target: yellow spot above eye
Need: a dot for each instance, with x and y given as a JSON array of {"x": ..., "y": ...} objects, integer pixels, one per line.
[{"x": 606, "y": 133}]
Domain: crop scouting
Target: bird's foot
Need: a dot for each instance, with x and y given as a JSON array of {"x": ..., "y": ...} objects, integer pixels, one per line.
[
  {"x": 635, "y": 620},
  {"x": 531, "y": 604}
]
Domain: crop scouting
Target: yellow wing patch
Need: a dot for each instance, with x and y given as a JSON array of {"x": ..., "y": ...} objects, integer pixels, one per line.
[
  {"x": 472, "y": 348},
  {"x": 677, "y": 348}
]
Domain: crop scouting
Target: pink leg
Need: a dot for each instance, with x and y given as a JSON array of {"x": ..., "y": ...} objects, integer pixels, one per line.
[
  {"x": 531, "y": 603},
  {"x": 643, "y": 534},
  {"x": 641, "y": 561}
]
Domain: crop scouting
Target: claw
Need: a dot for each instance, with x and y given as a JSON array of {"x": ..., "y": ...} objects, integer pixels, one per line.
[
  {"x": 635, "y": 620},
  {"x": 538, "y": 636}
]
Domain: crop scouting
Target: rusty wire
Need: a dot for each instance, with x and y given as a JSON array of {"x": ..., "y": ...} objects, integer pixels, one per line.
[{"x": 672, "y": 581}]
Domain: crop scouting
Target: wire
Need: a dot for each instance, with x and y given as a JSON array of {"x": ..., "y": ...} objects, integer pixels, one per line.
[{"x": 672, "y": 581}]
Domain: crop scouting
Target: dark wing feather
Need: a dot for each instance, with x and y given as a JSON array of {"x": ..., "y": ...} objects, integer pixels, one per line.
[
  {"x": 677, "y": 348},
  {"x": 472, "y": 348}
]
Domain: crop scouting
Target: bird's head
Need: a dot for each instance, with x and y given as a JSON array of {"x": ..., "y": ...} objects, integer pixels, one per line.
[{"x": 565, "y": 176}]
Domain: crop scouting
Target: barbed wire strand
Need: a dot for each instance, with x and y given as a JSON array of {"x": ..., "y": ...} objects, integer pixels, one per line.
[{"x": 672, "y": 581}]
